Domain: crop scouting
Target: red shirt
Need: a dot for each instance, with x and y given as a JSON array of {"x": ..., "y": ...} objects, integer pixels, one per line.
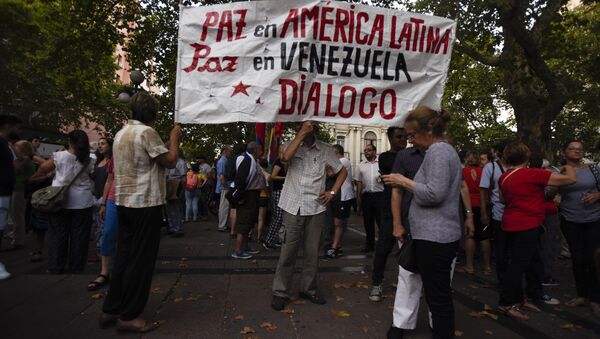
[
  {"x": 523, "y": 192},
  {"x": 472, "y": 176}
]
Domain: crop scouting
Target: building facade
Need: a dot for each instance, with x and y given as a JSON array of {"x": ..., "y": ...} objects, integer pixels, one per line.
[{"x": 354, "y": 138}]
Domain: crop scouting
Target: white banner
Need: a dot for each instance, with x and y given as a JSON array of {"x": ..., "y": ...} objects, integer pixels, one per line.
[{"x": 331, "y": 61}]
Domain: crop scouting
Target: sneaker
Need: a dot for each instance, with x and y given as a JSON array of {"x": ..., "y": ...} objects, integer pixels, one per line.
[
  {"x": 376, "y": 293},
  {"x": 241, "y": 255},
  {"x": 331, "y": 253},
  {"x": 549, "y": 300},
  {"x": 3, "y": 273},
  {"x": 549, "y": 281},
  {"x": 278, "y": 303},
  {"x": 252, "y": 251},
  {"x": 277, "y": 244},
  {"x": 266, "y": 246},
  {"x": 395, "y": 333}
]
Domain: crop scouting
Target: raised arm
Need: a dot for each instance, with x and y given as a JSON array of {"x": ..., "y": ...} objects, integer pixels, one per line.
[{"x": 292, "y": 148}]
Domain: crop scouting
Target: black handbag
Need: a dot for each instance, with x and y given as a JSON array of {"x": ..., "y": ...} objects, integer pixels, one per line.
[{"x": 407, "y": 256}]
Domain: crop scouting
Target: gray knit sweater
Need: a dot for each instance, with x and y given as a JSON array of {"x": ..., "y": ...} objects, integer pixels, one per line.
[{"x": 435, "y": 209}]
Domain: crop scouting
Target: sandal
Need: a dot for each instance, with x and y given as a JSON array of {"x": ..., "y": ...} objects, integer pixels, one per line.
[
  {"x": 96, "y": 285},
  {"x": 514, "y": 312},
  {"x": 36, "y": 257},
  {"x": 576, "y": 302},
  {"x": 128, "y": 327},
  {"x": 530, "y": 306}
]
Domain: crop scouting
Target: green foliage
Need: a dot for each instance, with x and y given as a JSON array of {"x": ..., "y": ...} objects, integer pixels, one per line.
[{"x": 58, "y": 63}]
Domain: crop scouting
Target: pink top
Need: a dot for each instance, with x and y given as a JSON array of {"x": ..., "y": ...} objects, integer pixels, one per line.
[{"x": 110, "y": 169}]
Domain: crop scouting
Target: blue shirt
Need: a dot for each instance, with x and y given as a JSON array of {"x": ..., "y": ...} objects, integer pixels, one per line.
[{"x": 221, "y": 165}]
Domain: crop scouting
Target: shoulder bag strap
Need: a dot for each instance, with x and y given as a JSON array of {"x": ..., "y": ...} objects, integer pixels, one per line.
[
  {"x": 508, "y": 176},
  {"x": 85, "y": 165},
  {"x": 595, "y": 169}
]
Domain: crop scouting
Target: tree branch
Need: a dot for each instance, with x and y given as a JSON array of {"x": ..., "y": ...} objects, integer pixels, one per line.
[
  {"x": 547, "y": 16},
  {"x": 490, "y": 60}
]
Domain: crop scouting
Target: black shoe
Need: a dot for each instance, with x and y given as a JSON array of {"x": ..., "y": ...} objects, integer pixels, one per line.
[
  {"x": 278, "y": 303},
  {"x": 366, "y": 249},
  {"x": 395, "y": 333},
  {"x": 177, "y": 235},
  {"x": 313, "y": 298}
]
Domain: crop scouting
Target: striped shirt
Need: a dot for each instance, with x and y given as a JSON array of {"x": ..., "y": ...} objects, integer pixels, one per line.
[
  {"x": 139, "y": 178},
  {"x": 305, "y": 179}
]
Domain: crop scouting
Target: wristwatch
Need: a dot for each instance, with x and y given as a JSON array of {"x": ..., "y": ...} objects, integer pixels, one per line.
[{"x": 332, "y": 192}]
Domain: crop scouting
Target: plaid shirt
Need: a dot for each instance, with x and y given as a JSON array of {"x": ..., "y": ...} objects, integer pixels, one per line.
[
  {"x": 139, "y": 179},
  {"x": 305, "y": 179}
]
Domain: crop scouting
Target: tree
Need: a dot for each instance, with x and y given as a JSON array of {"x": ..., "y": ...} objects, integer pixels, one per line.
[
  {"x": 57, "y": 60},
  {"x": 527, "y": 45}
]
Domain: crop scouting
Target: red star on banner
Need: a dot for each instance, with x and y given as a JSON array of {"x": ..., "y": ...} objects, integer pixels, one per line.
[{"x": 240, "y": 88}]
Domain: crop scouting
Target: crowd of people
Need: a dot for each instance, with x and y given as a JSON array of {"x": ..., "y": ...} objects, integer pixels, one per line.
[{"x": 432, "y": 202}]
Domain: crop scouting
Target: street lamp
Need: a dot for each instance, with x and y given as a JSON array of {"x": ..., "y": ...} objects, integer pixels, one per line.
[{"x": 137, "y": 77}]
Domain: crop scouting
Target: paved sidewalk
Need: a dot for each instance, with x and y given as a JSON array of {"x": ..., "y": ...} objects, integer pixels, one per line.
[{"x": 198, "y": 291}]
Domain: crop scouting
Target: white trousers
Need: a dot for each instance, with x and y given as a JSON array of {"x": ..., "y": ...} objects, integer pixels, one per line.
[{"x": 408, "y": 297}]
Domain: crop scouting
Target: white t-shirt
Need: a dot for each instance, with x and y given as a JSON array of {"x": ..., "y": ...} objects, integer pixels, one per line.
[
  {"x": 347, "y": 189},
  {"x": 80, "y": 193}
]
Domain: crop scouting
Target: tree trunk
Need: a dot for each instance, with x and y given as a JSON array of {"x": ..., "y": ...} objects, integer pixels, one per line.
[{"x": 534, "y": 107}]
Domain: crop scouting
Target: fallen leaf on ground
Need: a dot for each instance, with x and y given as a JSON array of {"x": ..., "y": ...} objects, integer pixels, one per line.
[
  {"x": 239, "y": 317},
  {"x": 388, "y": 296},
  {"x": 473, "y": 286},
  {"x": 288, "y": 311},
  {"x": 489, "y": 315},
  {"x": 567, "y": 326},
  {"x": 338, "y": 298},
  {"x": 191, "y": 298},
  {"x": 97, "y": 296},
  {"x": 487, "y": 307},
  {"x": 247, "y": 329},
  {"x": 488, "y": 332},
  {"x": 477, "y": 315},
  {"x": 365, "y": 329},
  {"x": 178, "y": 299},
  {"x": 268, "y": 326},
  {"x": 361, "y": 284},
  {"x": 339, "y": 314},
  {"x": 161, "y": 322},
  {"x": 342, "y": 285},
  {"x": 458, "y": 333},
  {"x": 254, "y": 261},
  {"x": 156, "y": 290},
  {"x": 299, "y": 302}
]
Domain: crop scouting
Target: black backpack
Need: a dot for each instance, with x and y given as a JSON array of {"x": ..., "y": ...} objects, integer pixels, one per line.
[{"x": 230, "y": 168}]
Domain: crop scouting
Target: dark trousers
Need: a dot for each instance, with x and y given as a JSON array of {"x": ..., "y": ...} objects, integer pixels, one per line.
[
  {"x": 583, "y": 240},
  {"x": 137, "y": 247},
  {"x": 68, "y": 240},
  {"x": 500, "y": 250},
  {"x": 385, "y": 244},
  {"x": 524, "y": 255},
  {"x": 434, "y": 261},
  {"x": 371, "y": 204}
]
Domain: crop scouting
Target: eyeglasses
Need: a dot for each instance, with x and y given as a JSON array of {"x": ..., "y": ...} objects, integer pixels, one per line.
[
  {"x": 571, "y": 149},
  {"x": 410, "y": 136}
]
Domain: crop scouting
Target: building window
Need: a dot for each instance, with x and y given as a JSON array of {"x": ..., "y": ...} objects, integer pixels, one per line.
[
  {"x": 341, "y": 140},
  {"x": 370, "y": 138}
]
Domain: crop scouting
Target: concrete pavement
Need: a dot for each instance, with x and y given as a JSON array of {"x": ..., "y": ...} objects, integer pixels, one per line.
[{"x": 198, "y": 291}]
